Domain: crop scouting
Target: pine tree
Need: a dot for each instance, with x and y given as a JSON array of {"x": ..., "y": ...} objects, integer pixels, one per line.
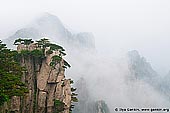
[{"x": 10, "y": 75}]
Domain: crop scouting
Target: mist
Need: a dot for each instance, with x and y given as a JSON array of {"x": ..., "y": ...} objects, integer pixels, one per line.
[
  {"x": 118, "y": 27},
  {"x": 110, "y": 79}
]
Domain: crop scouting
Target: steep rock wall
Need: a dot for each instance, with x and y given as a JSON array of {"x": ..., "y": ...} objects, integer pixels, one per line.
[{"x": 45, "y": 85}]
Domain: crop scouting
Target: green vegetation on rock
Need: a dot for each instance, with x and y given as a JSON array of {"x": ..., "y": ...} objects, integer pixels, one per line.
[
  {"x": 11, "y": 71},
  {"x": 59, "y": 106},
  {"x": 10, "y": 75}
]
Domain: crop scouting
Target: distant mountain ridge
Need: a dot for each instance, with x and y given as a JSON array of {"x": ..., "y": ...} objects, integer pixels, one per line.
[
  {"x": 48, "y": 25},
  {"x": 140, "y": 69},
  {"x": 139, "y": 66}
]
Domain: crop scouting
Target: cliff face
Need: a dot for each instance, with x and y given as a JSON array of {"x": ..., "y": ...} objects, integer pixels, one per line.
[{"x": 49, "y": 90}]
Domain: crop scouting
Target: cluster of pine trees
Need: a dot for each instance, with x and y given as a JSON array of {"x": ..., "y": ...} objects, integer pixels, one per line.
[
  {"x": 11, "y": 71},
  {"x": 10, "y": 75}
]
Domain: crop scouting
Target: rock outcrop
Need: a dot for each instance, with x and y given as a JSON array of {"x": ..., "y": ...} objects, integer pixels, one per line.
[
  {"x": 46, "y": 86},
  {"x": 101, "y": 107}
]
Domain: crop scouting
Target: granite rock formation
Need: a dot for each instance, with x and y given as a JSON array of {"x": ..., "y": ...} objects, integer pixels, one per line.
[{"x": 45, "y": 84}]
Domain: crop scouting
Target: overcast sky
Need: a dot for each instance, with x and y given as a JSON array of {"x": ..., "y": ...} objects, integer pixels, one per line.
[{"x": 118, "y": 25}]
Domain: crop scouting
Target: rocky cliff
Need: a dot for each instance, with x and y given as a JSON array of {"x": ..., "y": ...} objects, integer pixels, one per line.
[{"x": 48, "y": 89}]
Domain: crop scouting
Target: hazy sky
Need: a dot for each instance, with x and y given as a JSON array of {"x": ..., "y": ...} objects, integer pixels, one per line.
[{"x": 118, "y": 25}]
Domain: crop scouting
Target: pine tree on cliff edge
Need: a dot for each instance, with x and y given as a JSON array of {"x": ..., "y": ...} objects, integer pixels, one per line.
[{"x": 10, "y": 75}]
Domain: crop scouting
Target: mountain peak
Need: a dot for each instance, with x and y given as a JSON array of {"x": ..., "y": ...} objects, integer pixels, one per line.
[
  {"x": 139, "y": 66},
  {"x": 47, "y": 22},
  {"x": 48, "y": 25},
  {"x": 134, "y": 54},
  {"x": 48, "y": 16}
]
